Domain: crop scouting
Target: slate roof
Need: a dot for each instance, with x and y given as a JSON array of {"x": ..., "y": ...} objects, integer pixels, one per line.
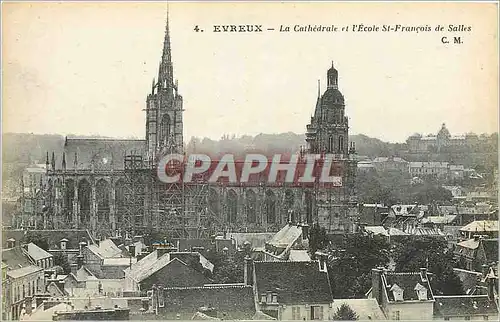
[
  {"x": 106, "y": 153},
  {"x": 407, "y": 282},
  {"x": 53, "y": 236},
  {"x": 295, "y": 282},
  {"x": 15, "y": 258},
  {"x": 20, "y": 272},
  {"x": 464, "y": 305},
  {"x": 82, "y": 274},
  {"x": 481, "y": 225},
  {"x": 37, "y": 253},
  {"x": 232, "y": 302},
  {"x": 469, "y": 279}
]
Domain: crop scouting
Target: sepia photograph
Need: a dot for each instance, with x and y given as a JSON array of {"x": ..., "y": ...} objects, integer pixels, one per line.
[{"x": 295, "y": 161}]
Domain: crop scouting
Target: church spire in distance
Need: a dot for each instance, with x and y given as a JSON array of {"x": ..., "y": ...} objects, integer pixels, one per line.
[{"x": 165, "y": 74}]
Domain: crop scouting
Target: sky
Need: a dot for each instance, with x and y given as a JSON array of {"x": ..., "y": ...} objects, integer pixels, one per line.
[{"x": 86, "y": 68}]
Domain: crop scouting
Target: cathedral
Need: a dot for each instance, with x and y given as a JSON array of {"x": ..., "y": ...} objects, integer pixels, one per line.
[{"x": 110, "y": 186}]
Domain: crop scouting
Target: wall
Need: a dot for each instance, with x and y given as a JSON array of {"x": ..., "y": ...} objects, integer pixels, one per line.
[
  {"x": 410, "y": 310},
  {"x": 286, "y": 312}
]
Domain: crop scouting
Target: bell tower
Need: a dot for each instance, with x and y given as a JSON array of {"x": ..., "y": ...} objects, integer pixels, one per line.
[{"x": 164, "y": 119}]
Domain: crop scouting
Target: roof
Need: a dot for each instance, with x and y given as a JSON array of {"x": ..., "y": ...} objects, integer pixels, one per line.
[
  {"x": 295, "y": 282},
  {"x": 446, "y": 219},
  {"x": 37, "y": 253},
  {"x": 377, "y": 230},
  {"x": 391, "y": 159},
  {"x": 231, "y": 302},
  {"x": 105, "y": 153},
  {"x": 470, "y": 244},
  {"x": 299, "y": 256},
  {"x": 396, "y": 232},
  {"x": 15, "y": 258},
  {"x": 53, "y": 236},
  {"x": 46, "y": 315},
  {"x": 481, "y": 225},
  {"x": 469, "y": 279},
  {"x": 464, "y": 305},
  {"x": 286, "y": 236},
  {"x": 105, "y": 249},
  {"x": 366, "y": 309},
  {"x": 123, "y": 261},
  {"x": 150, "y": 265},
  {"x": 407, "y": 282},
  {"x": 20, "y": 272},
  {"x": 82, "y": 274}
]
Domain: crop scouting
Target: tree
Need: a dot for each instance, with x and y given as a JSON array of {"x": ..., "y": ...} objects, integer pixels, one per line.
[
  {"x": 350, "y": 268},
  {"x": 38, "y": 240},
  {"x": 431, "y": 253},
  {"x": 317, "y": 239},
  {"x": 345, "y": 313},
  {"x": 62, "y": 260}
]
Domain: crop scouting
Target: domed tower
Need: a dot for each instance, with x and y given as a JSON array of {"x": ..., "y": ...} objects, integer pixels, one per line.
[
  {"x": 443, "y": 137},
  {"x": 328, "y": 130}
]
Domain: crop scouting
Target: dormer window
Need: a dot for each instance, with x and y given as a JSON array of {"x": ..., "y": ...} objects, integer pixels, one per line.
[
  {"x": 421, "y": 292},
  {"x": 263, "y": 298},
  {"x": 275, "y": 298},
  {"x": 397, "y": 292}
]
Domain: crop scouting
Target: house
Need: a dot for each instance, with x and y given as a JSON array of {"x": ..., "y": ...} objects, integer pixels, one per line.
[
  {"x": 429, "y": 169},
  {"x": 403, "y": 296},
  {"x": 480, "y": 227},
  {"x": 176, "y": 269},
  {"x": 106, "y": 260},
  {"x": 225, "y": 302},
  {"x": 290, "y": 290},
  {"x": 23, "y": 280},
  {"x": 373, "y": 214},
  {"x": 473, "y": 253},
  {"x": 39, "y": 256}
]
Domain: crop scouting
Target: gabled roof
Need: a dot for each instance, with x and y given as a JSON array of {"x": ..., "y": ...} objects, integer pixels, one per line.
[
  {"x": 464, "y": 305},
  {"x": 294, "y": 282},
  {"x": 407, "y": 282},
  {"x": 82, "y": 274},
  {"x": 37, "y": 253},
  {"x": 106, "y": 249}
]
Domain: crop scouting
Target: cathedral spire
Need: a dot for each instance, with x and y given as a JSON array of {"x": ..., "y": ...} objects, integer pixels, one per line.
[{"x": 165, "y": 75}]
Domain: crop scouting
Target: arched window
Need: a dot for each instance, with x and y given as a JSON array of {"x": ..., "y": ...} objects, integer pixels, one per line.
[
  {"x": 251, "y": 204},
  {"x": 330, "y": 144},
  {"x": 270, "y": 207},
  {"x": 232, "y": 203},
  {"x": 341, "y": 144}
]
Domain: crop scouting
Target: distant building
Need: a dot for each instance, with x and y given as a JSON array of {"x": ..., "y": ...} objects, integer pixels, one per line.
[
  {"x": 429, "y": 169},
  {"x": 443, "y": 141},
  {"x": 474, "y": 253},
  {"x": 480, "y": 227},
  {"x": 390, "y": 164}
]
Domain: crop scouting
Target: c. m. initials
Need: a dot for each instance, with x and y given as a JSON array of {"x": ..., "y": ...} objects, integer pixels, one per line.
[{"x": 456, "y": 40}]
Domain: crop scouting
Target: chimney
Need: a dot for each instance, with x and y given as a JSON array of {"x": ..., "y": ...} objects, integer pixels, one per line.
[
  {"x": 377, "y": 285},
  {"x": 305, "y": 231},
  {"x": 11, "y": 243},
  {"x": 74, "y": 268},
  {"x": 81, "y": 246},
  {"x": 423, "y": 274},
  {"x": 322, "y": 261},
  {"x": 63, "y": 243},
  {"x": 79, "y": 261},
  {"x": 248, "y": 271},
  {"x": 131, "y": 250}
]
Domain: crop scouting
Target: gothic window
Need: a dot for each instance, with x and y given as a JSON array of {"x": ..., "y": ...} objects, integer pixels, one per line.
[
  {"x": 232, "y": 203},
  {"x": 330, "y": 144},
  {"x": 84, "y": 201},
  {"x": 341, "y": 143},
  {"x": 251, "y": 201},
  {"x": 270, "y": 207},
  {"x": 102, "y": 191}
]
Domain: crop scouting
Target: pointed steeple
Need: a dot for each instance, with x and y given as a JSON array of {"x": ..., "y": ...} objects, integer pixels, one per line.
[
  {"x": 53, "y": 162},
  {"x": 64, "y": 161},
  {"x": 166, "y": 74},
  {"x": 47, "y": 161}
]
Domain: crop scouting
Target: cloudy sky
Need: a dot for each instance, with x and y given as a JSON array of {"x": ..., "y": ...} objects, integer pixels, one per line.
[{"x": 87, "y": 68}]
